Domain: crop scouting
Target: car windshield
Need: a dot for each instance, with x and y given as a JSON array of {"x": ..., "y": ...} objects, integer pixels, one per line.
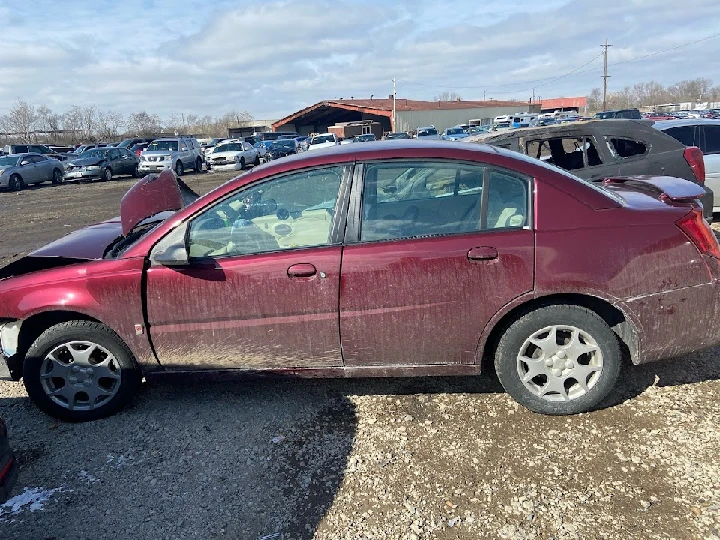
[
  {"x": 604, "y": 115},
  {"x": 427, "y": 132},
  {"x": 6, "y": 161},
  {"x": 127, "y": 143},
  {"x": 322, "y": 139},
  {"x": 283, "y": 144},
  {"x": 455, "y": 131},
  {"x": 95, "y": 153},
  {"x": 163, "y": 145},
  {"x": 232, "y": 147}
]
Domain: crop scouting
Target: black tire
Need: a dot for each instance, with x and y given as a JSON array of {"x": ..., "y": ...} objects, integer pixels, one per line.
[
  {"x": 16, "y": 183},
  {"x": 242, "y": 163},
  {"x": 198, "y": 165},
  {"x": 179, "y": 169},
  {"x": 55, "y": 336},
  {"x": 107, "y": 174},
  {"x": 515, "y": 339},
  {"x": 257, "y": 159},
  {"x": 136, "y": 171},
  {"x": 57, "y": 177}
]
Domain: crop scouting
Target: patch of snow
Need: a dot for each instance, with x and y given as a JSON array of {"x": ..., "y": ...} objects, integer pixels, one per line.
[{"x": 34, "y": 498}]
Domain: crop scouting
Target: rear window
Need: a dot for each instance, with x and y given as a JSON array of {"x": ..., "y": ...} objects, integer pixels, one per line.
[
  {"x": 683, "y": 134},
  {"x": 711, "y": 140},
  {"x": 626, "y": 148}
]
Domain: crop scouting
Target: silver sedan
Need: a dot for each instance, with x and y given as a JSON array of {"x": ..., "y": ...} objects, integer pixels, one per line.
[{"x": 19, "y": 170}]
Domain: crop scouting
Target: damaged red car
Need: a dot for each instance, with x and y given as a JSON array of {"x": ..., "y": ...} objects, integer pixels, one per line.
[{"x": 400, "y": 258}]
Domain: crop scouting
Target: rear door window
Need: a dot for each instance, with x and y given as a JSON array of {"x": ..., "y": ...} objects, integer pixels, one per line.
[
  {"x": 626, "y": 148},
  {"x": 564, "y": 152},
  {"x": 683, "y": 134},
  {"x": 710, "y": 140}
]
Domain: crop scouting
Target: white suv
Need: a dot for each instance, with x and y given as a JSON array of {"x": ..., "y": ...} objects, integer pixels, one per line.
[{"x": 177, "y": 153}]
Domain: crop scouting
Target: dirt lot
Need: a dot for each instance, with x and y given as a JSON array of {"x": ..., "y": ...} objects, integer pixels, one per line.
[{"x": 399, "y": 458}]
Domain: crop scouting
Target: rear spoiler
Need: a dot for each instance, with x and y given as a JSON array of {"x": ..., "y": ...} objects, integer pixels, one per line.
[{"x": 662, "y": 187}]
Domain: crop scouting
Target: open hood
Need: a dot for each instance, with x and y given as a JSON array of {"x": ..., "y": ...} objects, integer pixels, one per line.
[{"x": 152, "y": 195}]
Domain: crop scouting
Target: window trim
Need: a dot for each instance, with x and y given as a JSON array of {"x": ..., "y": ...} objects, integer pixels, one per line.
[
  {"x": 355, "y": 210},
  {"x": 337, "y": 226}
]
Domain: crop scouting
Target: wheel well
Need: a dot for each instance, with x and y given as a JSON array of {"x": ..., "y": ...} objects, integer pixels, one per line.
[
  {"x": 614, "y": 317},
  {"x": 32, "y": 327}
]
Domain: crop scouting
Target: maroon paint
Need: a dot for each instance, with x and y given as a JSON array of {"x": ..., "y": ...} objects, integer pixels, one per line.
[
  {"x": 149, "y": 196},
  {"x": 422, "y": 301},
  {"x": 247, "y": 311}
]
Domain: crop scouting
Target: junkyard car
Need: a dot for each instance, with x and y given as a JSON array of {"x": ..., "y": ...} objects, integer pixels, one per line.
[
  {"x": 8, "y": 465},
  {"x": 232, "y": 156},
  {"x": 598, "y": 149},
  {"x": 35, "y": 149},
  {"x": 19, "y": 170},
  {"x": 323, "y": 140},
  {"x": 393, "y": 258},
  {"x": 103, "y": 163},
  {"x": 282, "y": 148},
  {"x": 427, "y": 133},
  {"x": 177, "y": 154},
  {"x": 454, "y": 134},
  {"x": 705, "y": 134}
]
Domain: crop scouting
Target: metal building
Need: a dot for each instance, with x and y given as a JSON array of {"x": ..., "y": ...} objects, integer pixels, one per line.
[{"x": 410, "y": 114}]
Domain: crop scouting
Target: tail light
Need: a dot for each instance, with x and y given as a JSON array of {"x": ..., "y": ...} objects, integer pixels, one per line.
[
  {"x": 694, "y": 156},
  {"x": 698, "y": 231}
]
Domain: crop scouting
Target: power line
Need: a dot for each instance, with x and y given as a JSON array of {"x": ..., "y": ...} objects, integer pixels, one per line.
[{"x": 554, "y": 79}]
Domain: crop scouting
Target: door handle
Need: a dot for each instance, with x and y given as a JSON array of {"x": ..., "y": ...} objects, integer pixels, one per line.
[
  {"x": 482, "y": 253},
  {"x": 301, "y": 270}
]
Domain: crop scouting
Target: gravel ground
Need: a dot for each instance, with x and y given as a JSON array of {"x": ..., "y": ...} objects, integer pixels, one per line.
[{"x": 213, "y": 457}]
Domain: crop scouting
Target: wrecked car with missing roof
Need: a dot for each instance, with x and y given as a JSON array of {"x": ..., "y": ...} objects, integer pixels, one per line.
[
  {"x": 393, "y": 258},
  {"x": 599, "y": 149}
]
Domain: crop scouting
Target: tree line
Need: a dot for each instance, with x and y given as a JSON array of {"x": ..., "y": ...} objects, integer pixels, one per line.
[
  {"x": 27, "y": 123},
  {"x": 652, "y": 94}
]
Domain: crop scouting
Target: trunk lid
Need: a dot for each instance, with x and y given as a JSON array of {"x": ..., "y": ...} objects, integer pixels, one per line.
[{"x": 650, "y": 190}]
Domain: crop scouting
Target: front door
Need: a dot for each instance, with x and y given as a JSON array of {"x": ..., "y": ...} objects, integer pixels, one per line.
[
  {"x": 441, "y": 247},
  {"x": 261, "y": 289}
]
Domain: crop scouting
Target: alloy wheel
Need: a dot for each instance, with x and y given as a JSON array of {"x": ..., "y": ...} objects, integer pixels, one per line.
[{"x": 80, "y": 375}]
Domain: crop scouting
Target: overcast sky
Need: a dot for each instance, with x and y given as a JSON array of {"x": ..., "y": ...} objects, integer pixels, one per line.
[{"x": 272, "y": 58}]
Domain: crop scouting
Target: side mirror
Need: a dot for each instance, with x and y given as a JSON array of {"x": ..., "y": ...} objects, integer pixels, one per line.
[
  {"x": 171, "y": 250},
  {"x": 23, "y": 163}
]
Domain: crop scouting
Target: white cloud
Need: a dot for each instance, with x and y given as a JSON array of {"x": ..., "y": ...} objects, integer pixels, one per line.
[{"x": 273, "y": 57}]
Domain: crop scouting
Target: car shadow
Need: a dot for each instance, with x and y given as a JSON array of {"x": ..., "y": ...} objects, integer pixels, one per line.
[{"x": 191, "y": 458}]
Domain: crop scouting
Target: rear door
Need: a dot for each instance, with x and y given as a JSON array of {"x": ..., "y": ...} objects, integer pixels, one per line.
[
  {"x": 433, "y": 250},
  {"x": 710, "y": 146}
]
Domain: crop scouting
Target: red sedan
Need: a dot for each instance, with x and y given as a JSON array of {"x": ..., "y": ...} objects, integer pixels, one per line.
[{"x": 396, "y": 258}]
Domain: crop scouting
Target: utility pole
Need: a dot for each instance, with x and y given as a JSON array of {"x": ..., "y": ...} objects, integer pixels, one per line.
[
  {"x": 394, "y": 109},
  {"x": 605, "y": 75}
]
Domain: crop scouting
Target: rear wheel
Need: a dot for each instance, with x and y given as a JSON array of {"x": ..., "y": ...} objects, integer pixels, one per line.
[
  {"x": 198, "y": 165},
  {"x": 136, "y": 171},
  {"x": 16, "y": 183},
  {"x": 557, "y": 360},
  {"x": 57, "y": 177},
  {"x": 257, "y": 159},
  {"x": 179, "y": 169},
  {"x": 80, "y": 370}
]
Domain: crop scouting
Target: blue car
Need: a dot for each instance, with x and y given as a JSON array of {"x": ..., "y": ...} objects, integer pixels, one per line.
[{"x": 454, "y": 134}]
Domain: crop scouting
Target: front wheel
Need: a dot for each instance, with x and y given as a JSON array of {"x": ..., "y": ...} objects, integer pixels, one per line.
[
  {"x": 179, "y": 169},
  {"x": 16, "y": 183},
  {"x": 198, "y": 165},
  {"x": 136, "y": 171},
  {"x": 242, "y": 163},
  {"x": 57, "y": 176},
  {"x": 80, "y": 370},
  {"x": 107, "y": 174},
  {"x": 557, "y": 360}
]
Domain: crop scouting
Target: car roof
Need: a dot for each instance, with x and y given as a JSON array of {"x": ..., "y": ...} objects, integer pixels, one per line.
[{"x": 680, "y": 122}]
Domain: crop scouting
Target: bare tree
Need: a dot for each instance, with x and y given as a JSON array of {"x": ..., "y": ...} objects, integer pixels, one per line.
[
  {"x": 447, "y": 96},
  {"x": 20, "y": 121},
  {"x": 109, "y": 124},
  {"x": 143, "y": 124}
]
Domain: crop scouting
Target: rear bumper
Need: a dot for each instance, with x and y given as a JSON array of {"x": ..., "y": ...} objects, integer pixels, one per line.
[
  {"x": 708, "y": 200},
  {"x": 678, "y": 322}
]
